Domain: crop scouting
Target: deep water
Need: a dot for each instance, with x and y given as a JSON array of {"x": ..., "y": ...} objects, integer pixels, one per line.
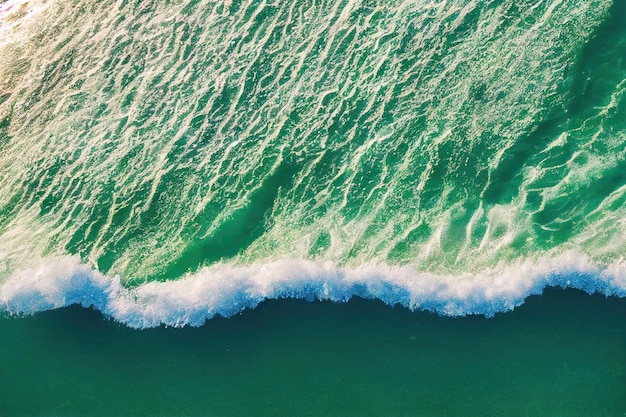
[{"x": 561, "y": 354}]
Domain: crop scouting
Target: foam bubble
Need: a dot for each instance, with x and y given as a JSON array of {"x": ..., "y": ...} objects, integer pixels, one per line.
[{"x": 226, "y": 289}]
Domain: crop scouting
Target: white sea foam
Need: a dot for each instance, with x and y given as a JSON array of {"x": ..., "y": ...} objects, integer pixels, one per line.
[
  {"x": 13, "y": 12},
  {"x": 225, "y": 290}
]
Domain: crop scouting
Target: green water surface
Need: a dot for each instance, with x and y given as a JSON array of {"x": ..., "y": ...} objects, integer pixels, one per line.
[
  {"x": 151, "y": 139},
  {"x": 562, "y": 354}
]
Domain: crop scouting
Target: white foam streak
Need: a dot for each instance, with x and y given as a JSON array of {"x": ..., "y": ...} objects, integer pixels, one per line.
[{"x": 225, "y": 289}]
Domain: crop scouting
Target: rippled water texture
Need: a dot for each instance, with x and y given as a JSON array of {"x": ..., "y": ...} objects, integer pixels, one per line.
[{"x": 450, "y": 155}]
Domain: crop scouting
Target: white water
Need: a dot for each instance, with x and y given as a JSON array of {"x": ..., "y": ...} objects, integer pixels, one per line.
[{"x": 227, "y": 290}]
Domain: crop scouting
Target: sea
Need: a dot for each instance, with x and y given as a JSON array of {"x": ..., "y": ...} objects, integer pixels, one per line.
[{"x": 313, "y": 208}]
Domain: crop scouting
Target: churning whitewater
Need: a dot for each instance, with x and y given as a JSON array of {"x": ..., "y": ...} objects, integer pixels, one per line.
[
  {"x": 166, "y": 161},
  {"x": 226, "y": 290}
]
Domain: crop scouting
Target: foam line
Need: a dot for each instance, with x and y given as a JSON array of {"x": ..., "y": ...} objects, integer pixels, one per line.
[{"x": 225, "y": 290}]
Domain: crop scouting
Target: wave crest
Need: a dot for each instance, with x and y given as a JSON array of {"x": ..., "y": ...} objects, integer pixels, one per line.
[{"x": 226, "y": 289}]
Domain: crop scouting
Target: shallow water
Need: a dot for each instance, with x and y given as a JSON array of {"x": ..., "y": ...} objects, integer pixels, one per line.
[
  {"x": 562, "y": 354},
  {"x": 166, "y": 161}
]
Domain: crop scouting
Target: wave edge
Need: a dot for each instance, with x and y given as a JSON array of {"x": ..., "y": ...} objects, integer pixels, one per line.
[{"x": 226, "y": 289}]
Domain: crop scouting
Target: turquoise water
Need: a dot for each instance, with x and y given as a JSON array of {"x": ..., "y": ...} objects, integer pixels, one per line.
[{"x": 167, "y": 162}]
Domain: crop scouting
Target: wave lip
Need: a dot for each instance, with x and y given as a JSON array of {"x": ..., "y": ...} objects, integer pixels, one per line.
[{"x": 225, "y": 289}]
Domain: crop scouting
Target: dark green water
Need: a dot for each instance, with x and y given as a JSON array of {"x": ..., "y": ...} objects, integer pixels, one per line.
[{"x": 563, "y": 354}]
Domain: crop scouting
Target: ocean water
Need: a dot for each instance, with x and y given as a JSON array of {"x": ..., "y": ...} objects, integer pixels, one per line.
[
  {"x": 167, "y": 162},
  {"x": 563, "y": 354}
]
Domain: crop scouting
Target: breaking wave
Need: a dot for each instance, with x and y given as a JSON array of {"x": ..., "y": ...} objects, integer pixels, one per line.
[{"x": 225, "y": 290}]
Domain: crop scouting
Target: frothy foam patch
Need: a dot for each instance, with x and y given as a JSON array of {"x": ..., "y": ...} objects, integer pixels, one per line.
[
  {"x": 7, "y": 6},
  {"x": 226, "y": 290},
  {"x": 12, "y": 12}
]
